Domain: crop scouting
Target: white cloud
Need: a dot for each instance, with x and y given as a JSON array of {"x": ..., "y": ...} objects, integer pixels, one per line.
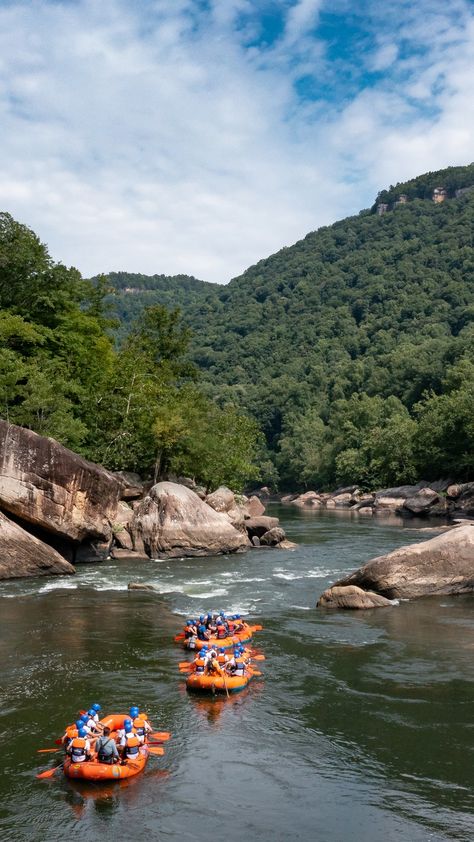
[{"x": 154, "y": 140}]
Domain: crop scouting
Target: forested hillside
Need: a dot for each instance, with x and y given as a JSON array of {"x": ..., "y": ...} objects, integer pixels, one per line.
[{"x": 353, "y": 349}]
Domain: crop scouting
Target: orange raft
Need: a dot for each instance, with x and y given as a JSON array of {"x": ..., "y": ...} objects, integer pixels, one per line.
[
  {"x": 225, "y": 643},
  {"x": 205, "y": 683},
  {"x": 92, "y": 770}
]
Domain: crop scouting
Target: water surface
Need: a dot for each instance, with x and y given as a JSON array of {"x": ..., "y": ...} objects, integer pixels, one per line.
[{"x": 360, "y": 729}]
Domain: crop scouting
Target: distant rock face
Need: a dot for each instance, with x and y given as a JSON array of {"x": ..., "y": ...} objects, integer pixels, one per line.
[
  {"x": 45, "y": 484},
  {"x": 21, "y": 554},
  {"x": 442, "y": 565},
  {"x": 173, "y": 521},
  {"x": 351, "y": 597}
]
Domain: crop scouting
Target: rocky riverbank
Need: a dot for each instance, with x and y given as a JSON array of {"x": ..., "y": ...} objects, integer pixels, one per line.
[
  {"x": 57, "y": 509},
  {"x": 435, "y": 499}
]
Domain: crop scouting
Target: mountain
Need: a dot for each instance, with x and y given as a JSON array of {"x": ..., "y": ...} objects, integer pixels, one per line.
[{"x": 351, "y": 329}]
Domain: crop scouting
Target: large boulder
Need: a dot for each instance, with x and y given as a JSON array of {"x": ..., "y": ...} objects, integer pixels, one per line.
[
  {"x": 442, "y": 565},
  {"x": 49, "y": 486},
  {"x": 133, "y": 485},
  {"x": 392, "y": 499},
  {"x": 21, "y": 554},
  {"x": 273, "y": 537},
  {"x": 421, "y": 502},
  {"x": 173, "y": 521},
  {"x": 259, "y": 525},
  {"x": 351, "y": 597},
  {"x": 254, "y": 507},
  {"x": 221, "y": 500}
]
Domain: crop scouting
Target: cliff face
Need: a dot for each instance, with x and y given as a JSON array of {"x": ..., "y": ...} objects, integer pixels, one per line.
[{"x": 44, "y": 484}]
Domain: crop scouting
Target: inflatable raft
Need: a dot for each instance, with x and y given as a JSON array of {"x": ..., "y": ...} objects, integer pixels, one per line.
[
  {"x": 203, "y": 683},
  {"x": 225, "y": 643},
  {"x": 92, "y": 770}
]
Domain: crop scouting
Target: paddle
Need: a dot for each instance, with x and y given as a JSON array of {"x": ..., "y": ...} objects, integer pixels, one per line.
[
  {"x": 46, "y": 750},
  {"x": 183, "y": 664},
  {"x": 254, "y": 672},
  {"x": 161, "y": 735},
  {"x": 179, "y": 637},
  {"x": 258, "y": 657},
  {"x": 158, "y": 750},
  {"x": 49, "y": 772},
  {"x": 225, "y": 683},
  {"x": 256, "y": 628}
]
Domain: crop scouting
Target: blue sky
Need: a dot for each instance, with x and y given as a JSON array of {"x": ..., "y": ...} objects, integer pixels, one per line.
[{"x": 199, "y": 136}]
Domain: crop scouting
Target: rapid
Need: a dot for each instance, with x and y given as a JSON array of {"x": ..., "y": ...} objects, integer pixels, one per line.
[{"x": 359, "y": 729}]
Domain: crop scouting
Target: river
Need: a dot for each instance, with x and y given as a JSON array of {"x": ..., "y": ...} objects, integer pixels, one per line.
[{"x": 360, "y": 728}]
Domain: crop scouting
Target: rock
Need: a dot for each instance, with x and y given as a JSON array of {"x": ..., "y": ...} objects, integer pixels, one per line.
[
  {"x": 455, "y": 491},
  {"x": 286, "y": 545},
  {"x": 123, "y": 540},
  {"x": 309, "y": 498},
  {"x": 421, "y": 502},
  {"x": 442, "y": 565},
  {"x": 330, "y": 504},
  {"x": 364, "y": 510},
  {"x": 21, "y": 554},
  {"x": 273, "y": 537},
  {"x": 140, "y": 586},
  {"x": 254, "y": 507},
  {"x": 119, "y": 553},
  {"x": 342, "y": 499},
  {"x": 89, "y": 552},
  {"x": 465, "y": 500},
  {"x": 351, "y": 597},
  {"x": 221, "y": 500},
  {"x": 133, "y": 486},
  {"x": 259, "y": 525},
  {"x": 289, "y": 498},
  {"x": 173, "y": 521},
  {"x": 255, "y": 541},
  {"x": 45, "y": 484}
]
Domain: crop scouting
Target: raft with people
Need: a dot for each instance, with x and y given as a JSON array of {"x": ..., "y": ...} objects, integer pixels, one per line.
[
  {"x": 109, "y": 749},
  {"x": 216, "y": 630},
  {"x": 214, "y": 671}
]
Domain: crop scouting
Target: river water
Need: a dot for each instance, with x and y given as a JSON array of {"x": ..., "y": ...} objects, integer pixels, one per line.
[{"x": 361, "y": 727}]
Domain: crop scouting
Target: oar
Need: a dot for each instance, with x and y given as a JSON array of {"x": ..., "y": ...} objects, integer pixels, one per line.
[
  {"x": 158, "y": 750},
  {"x": 254, "y": 672},
  {"x": 49, "y": 772},
  {"x": 46, "y": 750},
  {"x": 183, "y": 664},
  {"x": 225, "y": 683},
  {"x": 258, "y": 657},
  {"x": 256, "y": 628},
  {"x": 161, "y": 735},
  {"x": 179, "y": 637}
]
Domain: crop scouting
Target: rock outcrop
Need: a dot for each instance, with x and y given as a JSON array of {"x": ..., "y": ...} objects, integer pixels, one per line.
[
  {"x": 173, "y": 521},
  {"x": 49, "y": 486},
  {"x": 441, "y": 565},
  {"x": 21, "y": 554},
  {"x": 351, "y": 597}
]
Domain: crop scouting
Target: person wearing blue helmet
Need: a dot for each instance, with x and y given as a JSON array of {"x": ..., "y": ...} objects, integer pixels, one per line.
[
  {"x": 94, "y": 726},
  {"x": 134, "y": 711},
  {"x": 121, "y": 731},
  {"x": 79, "y": 749},
  {"x": 106, "y": 748},
  {"x": 202, "y": 632}
]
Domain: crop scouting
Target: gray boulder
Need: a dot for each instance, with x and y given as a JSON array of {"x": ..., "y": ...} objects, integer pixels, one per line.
[
  {"x": 351, "y": 597},
  {"x": 273, "y": 537},
  {"x": 47, "y": 485},
  {"x": 173, "y": 521},
  {"x": 259, "y": 525},
  {"x": 21, "y": 554},
  {"x": 421, "y": 502},
  {"x": 441, "y": 565}
]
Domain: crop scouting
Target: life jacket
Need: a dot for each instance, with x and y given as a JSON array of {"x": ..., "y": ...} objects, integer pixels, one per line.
[
  {"x": 139, "y": 727},
  {"x": 239, "y": 667},
  {"x": 132, "y": 746},
  {"x": 221, "y": 658},
  {"x": 221, "y": 631},
  {"x": 71, "y": 732},
  {"x": 231, "y": 627},
  {"x": 78, "y": 750},
  {"x": 189, "y": 631}
]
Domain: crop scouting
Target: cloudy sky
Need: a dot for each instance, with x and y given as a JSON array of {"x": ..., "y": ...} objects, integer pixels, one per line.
[{"x": 199, "y": 136}]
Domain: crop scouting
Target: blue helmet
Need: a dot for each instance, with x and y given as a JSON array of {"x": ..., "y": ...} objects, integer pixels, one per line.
[
  {"x": 134, "y": 711},
  {"x": 222, "y": 650},
  {"x": 237, "y": 616},
  {"x": 79, "y": 724},
  {"x": 96, "y": 707},
  {"x": 189, "y": 622},
  {"x": 91, "y": 712},
  {"x": 221, "y": 614},
  {"x": 85, "y": 717},
  {"x": 82, "y": 732},
  {"x": 127, "y": 720},
  {"x": 201, "y": 618},
  {"x": 128, "y": 727}
]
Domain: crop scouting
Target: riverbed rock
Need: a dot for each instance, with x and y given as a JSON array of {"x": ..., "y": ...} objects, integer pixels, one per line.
[
  {"x": 442, "y": 565},
  {"x": 364, "y": 510},
  {"x": 254, "y": 507},
  {"x": 173, "y": 521},
  {"x": 351, "y": 597},
  {"x": 421, "y": 502},
  {"x": 309, "y": 498},
  {"x": 273, "y": 537},
  {"x": 221, "y": 500},
  {"x": 259, "y": 525},
  {"x": 49, "y": 486},
  {"x": 392, "y": 499},
  {"x": 133, "y": 485},
  {"x": 21, "y": 554},
  {"x": 140, "y": 586},
  {"x": 287, "y": 545}
]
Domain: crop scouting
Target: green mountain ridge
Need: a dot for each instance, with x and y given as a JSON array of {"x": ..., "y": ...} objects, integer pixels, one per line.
[{"x": 363, "y": 319}]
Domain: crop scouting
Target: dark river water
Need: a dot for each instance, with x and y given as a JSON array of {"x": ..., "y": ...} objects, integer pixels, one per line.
[{"x": 360, "y": 729}]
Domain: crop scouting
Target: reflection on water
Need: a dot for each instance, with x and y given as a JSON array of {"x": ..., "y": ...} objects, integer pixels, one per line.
[{"x": 360, "y": 729}]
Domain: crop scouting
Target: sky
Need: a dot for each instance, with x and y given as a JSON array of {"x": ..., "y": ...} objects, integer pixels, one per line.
[{"x": 199, "y": 136}]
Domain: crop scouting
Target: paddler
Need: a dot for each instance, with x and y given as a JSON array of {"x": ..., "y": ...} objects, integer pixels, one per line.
[
  {"x": 79, "y": 749},
  {"x": 106, "y": 748},
  {"x": 130, "y": 743}
]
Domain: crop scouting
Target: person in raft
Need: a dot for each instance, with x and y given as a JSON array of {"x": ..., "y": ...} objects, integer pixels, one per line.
[
  {"x": 202, "y": 632},
  {"x": 79, "y": 749},
  {"x": 141, "y": 726},
  {"x": 106, "y": 748},
  {"x": 130, "y": 744},
  {"x": 95, "y": 727}
]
